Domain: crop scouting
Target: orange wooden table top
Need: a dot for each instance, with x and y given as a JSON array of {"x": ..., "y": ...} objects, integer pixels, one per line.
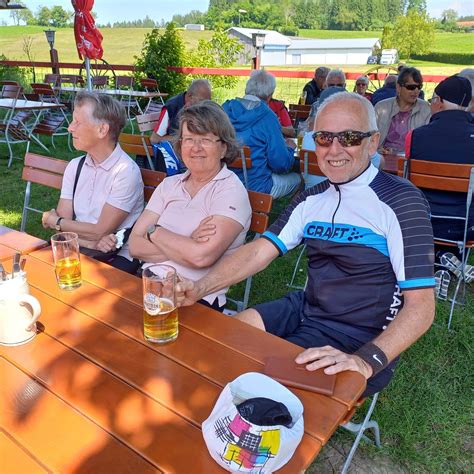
[
  {"x": 90, "y": 394},
  {"x": 20, "y": 241}
]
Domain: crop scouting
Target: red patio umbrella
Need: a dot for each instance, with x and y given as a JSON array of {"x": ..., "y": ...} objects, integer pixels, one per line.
[{"x": 88, "y": 37}]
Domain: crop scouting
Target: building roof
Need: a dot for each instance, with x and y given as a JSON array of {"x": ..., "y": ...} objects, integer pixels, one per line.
[
  {"x": 271, "y": 37},
  {"x": 351, "y": 43}
]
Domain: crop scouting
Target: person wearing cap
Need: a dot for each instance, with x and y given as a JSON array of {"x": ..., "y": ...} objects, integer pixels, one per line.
[
  {"x": 400, "y": 114},
  {"x": 448, "y": 138},
  {"x": 370, "y": 285},
  {"x": 315, "y": 86}
]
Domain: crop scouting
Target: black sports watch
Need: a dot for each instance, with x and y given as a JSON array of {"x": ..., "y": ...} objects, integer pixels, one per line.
[
  {"x": 150, "y": 231},
  {"x": 57, "y": 226}
]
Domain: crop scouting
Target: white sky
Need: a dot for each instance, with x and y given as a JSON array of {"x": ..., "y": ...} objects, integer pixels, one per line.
[{"x": 119, "y": 10}]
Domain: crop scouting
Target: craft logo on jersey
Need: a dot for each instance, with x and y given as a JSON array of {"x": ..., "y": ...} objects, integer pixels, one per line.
[{"x": 321, "y": 230}]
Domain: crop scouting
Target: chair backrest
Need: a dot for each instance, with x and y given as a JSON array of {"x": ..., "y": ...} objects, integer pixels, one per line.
[
  {"x": 73, "y": 79},
  {"x": 309, "y": 163},
  {"x": 11, "y": 92},
  {"x": 151, "y": 179},
  {"x": 243, "y": 161},
  {"x": 9, "y": 83},
  {"x": 149, "y": 84},
  {"x": 297, "y": 116},
  {"x": 44, "y": 170},
  {"x": 135, "y": 144},
  {"x": 147, "y": 122},
  {"x": 53, "y": 79},
  {"x": 99, "y": 81},
  {"x": 261, "y": 206},
  {"x": 440, "y": 176},
  {"x": 124, "y": 81},
  {"x": 44, "y": 91},
  {"x": 300, "y": 107}
]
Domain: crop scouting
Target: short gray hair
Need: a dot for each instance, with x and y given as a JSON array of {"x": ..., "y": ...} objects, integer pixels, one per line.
[
  {"x": 337, "y": 76},
  {"x": 208, "y": 117},
  {"x": 351, "y": 97},
  {"x": 199, "y": 87},
  {"x": 363, "y": 79},
  {"x": 104, "y": 109},
  {"x": 390, "y": 79},
  {"x": 261, "y": 84}
]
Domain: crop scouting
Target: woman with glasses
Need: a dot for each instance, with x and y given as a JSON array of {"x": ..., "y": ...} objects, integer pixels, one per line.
[
  {"x": 398, "y": 115},
  {"x": 195, "y": 218},
  {"x": 361, "y": 85}
]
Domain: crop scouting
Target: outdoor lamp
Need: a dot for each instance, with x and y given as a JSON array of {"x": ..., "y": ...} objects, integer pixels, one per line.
[
  {"x": 50, "y": 37},
  {"x": 258, "y": 39}
]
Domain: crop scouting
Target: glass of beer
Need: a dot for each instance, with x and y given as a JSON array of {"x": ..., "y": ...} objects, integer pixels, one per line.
[
  {"x": 67, "y": 263},
  {"x": 160, "y": 312}
]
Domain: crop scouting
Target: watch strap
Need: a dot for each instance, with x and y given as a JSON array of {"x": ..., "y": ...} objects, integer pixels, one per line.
[
  {"x": 374, "y": 356},
  {"x": 148, "y": 234},
  {"x": 58, "y": 223}
]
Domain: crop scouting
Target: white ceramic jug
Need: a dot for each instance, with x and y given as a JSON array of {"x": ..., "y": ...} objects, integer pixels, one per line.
[{"x": 19, "y": 311}]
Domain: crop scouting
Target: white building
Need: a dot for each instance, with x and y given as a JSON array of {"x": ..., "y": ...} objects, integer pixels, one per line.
[
  {"x": 193, "y": 26},
  {"x": 280, "y": 50}
]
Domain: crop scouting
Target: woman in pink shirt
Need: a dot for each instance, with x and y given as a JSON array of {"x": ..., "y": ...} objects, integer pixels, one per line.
[{"x": 195, "y": 218}]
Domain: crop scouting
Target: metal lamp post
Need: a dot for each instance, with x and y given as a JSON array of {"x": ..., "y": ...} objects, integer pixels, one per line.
[
  {"x": 53, "y": 53},
  {"x": 258, "y": 40}
]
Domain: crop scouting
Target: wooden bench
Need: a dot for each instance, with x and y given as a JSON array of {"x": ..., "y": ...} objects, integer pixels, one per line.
[
  {"x": 47, "y": 171},
  {"x": 244, "y": 162}
]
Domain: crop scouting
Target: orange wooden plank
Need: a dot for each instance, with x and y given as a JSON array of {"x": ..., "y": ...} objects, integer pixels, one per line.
[
  {"x": 16, "y": 460},
  {"x": 20, "y": 241},
  {"x": 6, "y": 253},
  {"x": 52, "y": 431}
]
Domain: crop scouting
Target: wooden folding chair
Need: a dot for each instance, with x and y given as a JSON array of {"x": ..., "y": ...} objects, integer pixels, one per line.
[
  {"x": 261, "y": 207},
  {"x": 451, "y": 177},
  {"x": 137, "y": 145},
  {"x": 151, "y": 85}
]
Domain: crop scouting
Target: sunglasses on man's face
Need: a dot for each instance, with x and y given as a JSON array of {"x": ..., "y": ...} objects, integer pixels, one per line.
[
  {"x": 361, "y": 84},
  {"x": 412, "y": 87},
  {"x": 345, "y": 138}
]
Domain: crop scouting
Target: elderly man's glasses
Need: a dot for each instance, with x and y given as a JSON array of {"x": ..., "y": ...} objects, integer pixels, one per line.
[
  {"x": 412, "y": 87},
  {"x": 345, "y": 138},
  {"x": 361, "y": 84},
  {"x": 188, "y": 142}
]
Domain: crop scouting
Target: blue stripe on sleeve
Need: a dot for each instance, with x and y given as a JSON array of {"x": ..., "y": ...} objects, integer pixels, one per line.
[
  {"x": 276, "y": 241},
  {"x": 417, "y": 283}
]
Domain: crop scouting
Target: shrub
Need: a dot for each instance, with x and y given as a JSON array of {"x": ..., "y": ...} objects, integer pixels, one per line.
[
  {"x": 448, "y": 58},
  {"x": 13, "y": 73}
]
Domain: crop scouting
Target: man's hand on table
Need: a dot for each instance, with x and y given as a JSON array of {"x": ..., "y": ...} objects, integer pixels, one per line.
[
  {"x": 49, "y": 219},
  {"x": 333, "y": 360}
]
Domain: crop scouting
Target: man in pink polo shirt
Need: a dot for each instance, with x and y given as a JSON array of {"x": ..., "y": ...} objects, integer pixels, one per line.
[{"x": 102, "y": 192}]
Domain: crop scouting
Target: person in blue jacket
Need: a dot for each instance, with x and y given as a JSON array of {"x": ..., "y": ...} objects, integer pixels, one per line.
[{"x": 258, "y": 128}]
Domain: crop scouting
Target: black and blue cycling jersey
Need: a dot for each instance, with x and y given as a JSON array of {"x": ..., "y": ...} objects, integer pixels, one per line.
[{"x": 368, "y": 240}]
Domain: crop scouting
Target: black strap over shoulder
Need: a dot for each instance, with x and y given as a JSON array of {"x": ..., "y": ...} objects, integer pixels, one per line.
[{"x": 76, "y": 179}]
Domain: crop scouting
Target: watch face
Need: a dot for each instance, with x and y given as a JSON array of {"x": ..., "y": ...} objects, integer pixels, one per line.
[{"x": 150, "y": 229}]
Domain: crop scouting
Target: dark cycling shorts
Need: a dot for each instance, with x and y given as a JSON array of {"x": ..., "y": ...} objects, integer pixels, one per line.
[{"x": 285, "y": 318}]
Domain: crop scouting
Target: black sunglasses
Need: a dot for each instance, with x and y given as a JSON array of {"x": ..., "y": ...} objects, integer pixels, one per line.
[
  {"x": 412, "y": 87},
  {"x": 345, "y": 138}
]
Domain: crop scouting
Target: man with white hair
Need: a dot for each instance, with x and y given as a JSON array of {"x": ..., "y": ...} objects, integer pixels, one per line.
[
  {"x": 258, "y": 128},
  {"x": 370, "y": 267},
  {"x": 448, "y": 138}
]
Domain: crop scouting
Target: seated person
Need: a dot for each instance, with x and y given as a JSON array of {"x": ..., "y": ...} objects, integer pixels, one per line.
[
  {"x": 468, "y": 73},
  {"x": 195, "y": 218},
  {"x": 258, "y": 128},
  {"x": 280, "y": 110},
  {"x": 316, "y": 85},
  {"x": 400, "y": 114},
  {"x": 370, "y": 270},
  {"x": 361, "y": 85},
  {"x": 387, "y": 91},
  {"x": 448, "y": 138},
  {"x": 102, "y": 192}
]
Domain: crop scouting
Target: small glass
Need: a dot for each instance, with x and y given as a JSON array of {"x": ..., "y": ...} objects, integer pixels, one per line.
[
  {"x": 303, "y": 98},
  {"x": 160, "y": 312},
  {"x": 67, "y": 263}
]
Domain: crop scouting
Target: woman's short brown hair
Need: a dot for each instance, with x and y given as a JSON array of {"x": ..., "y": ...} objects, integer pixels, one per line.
[{"x": 208, "y": 117}]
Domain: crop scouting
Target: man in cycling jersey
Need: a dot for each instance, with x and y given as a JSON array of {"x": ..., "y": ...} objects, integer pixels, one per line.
[{"x": 370, "y": 256}]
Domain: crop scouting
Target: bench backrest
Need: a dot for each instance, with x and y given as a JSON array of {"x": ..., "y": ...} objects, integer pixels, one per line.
[
  {"x": 309, "y": 163},
  {"x": 261, "y": 206},
  {"x": 239, "y": 162},
  {"x": 147, "y": 122},
  {"x": 300, "y": 107},
  {"x": 135, "y": 144}
]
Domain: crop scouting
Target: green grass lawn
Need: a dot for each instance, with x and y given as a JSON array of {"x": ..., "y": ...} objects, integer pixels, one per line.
[{"x": 425, "y": 413}]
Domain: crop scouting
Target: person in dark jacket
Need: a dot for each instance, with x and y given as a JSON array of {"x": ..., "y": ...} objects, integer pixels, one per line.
[
  {"x": 387, "y": 90},
  {"x": 314, "y": 87},
  {"x": 258, "y": 128},
  {"x": 448, "y": 138}
]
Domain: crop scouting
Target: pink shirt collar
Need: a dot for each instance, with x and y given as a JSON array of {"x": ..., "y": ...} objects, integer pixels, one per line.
[{"x": 109, "y": 162}]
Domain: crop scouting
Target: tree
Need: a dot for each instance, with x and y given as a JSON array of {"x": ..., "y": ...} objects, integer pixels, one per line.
[
  {"x": 59, "y": 17},
  {"x": 15, "y": 14},
  {"x": 159, "y": 51},
  {"x": 448, "y": 20},
  {"x": 43, "y": 16},
  {"x": 413, "y": 33},
  {"x": 417, "y": 5}
]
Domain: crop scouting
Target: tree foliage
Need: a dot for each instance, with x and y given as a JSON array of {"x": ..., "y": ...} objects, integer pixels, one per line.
[
  {"x": 160, "y": 50},
  {"x": 413, "y": 33}
]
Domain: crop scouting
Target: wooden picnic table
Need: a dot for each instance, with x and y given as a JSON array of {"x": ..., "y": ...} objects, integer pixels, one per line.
[
  {"x": 12, "y": 241},
  {"x": 89, "y": 394}
]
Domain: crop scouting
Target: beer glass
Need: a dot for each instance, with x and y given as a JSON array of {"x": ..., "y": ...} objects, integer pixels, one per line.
[
  {"x": 160, "y": 313},
  {"x": 67, "y": 264}
]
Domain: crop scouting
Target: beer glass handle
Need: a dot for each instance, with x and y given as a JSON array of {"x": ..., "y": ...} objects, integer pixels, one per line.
[{"x": 35, "y": 306}]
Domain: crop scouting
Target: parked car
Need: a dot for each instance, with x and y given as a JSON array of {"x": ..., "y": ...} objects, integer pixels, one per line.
[
  {"x": 389, "y": 56},
  {"x": 374, "y": 59}
]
